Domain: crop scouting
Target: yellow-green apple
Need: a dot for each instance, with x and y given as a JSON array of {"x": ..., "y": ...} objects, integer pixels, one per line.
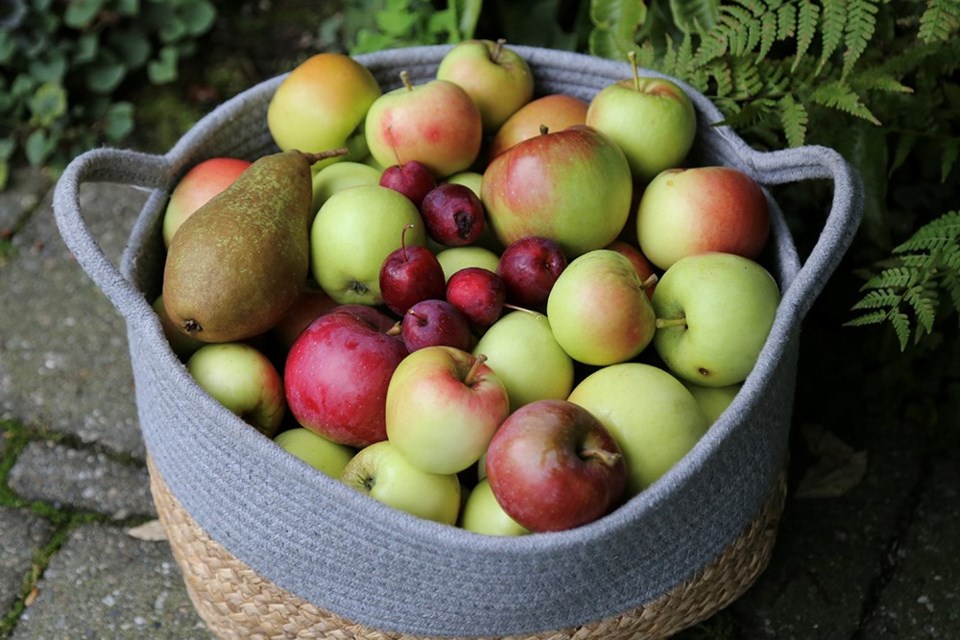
[
  {"x": 435, "y": 123},
  {"x": 555, "y": 111},
  {"x": 479, "y": 294},
  {"x": 650, "y": 414},
  {"x": 410, "y": 275},
  {"x": 183, "y": 344},
  {"x": 203, "y": 181},
  {"x": 337, "y": 371},
  {"x": 714, "y": 312},
  {"x": 483, "y": 514},
  {"x": 646, "y": 271},
  {"x": 454, "y": 259},
  {"x": 497, "y": 78},
  {"x": 339, "y": 176},
  {"x": 599, "y": 311},
  {"x": 353, "y": 233},
  {"x": 521, "y": 348},
  {"x": 326, "y": 456},
  {"x": 435, "y": 322},
  {"x": 243, "y": 380},
  {"x": 688, "y": 211},
  {"x": 529, "y": 268},
  {"x": 471, "y": 179},
  {"x": 553, "y": 466},
  {"x": 312, "y": 303},
  {"x": 652, "y": 119},
  {"x": 321, "y": 104},
  {"x": 713, "y": 401},
  {"x": 383, "y": 473},
  {"x": 443, "y": 406},
  {"x": 572, "y": 186}
]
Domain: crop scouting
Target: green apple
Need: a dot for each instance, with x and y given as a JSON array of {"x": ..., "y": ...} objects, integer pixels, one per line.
[
  {"x": 713, "y": 401},
  {"x": 321, "y": 105},
  {"x": 470, "y": 179},
  {"x": 497, "y": 79},
  {"x": 435, "y": 123},
  {"x": 521, "y": 348},
  {"x": 650, "y": 414},
  {"x": 382, "y": 472},
  {"x": 652, "y": 119},
  {"x": 454, "y": 259},
  {"x": 323, "y": 455},
  {"x": 572, "y": 186},
  {"x": 352, "y": 234},
  {"x": 339, "y": 176},
  {"x": 443, "y": 406},
  {"x": 714, "y": 312},
  {"x": 556, "y": 111},
  {"x": 483, "y": 514},
  {"x": 598, "y": 309},
  {"x": 243, "y": 380}
]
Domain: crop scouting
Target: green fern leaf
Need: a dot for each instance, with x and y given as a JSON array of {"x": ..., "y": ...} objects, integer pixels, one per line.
[
  {"x": 939, "y": 21},
  {"x": 901, "y": 326},
  {"x": 861, "y": 23},
  {"x": 923, "y": 302},
  {"x": 739, "y": 28},
  {"x": 833, "y": 26},
  {"x": 874, "y": 317},
  {"x": 939, "y": 234},
  {"x": 905, "y": 144},
  {"x": 615, "y": 26},
  {"x": 794, "y": 118},
  {"x": 838, "y": 95},
  {"x": 951, "y": 283},
  {"x": 768, "y": 35},
  {"x": 786, "y": 21},
  {"x": 695, "y": 15},
  {"x": 808, "y": 19},
  {"x": 878, "y": 299}
]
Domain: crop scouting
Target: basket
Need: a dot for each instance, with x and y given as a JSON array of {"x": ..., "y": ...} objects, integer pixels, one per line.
[{"x": 269, "y": 548}]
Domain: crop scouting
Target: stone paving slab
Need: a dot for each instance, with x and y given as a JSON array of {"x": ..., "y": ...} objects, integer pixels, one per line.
[
  {"x": 81, "y": 480},
  {"x": 22, "y": 534},
  {"x": 105, "y": 584}
]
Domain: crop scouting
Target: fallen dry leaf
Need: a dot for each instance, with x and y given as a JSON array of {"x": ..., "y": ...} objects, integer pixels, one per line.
[
  {"x": 150, "y": 531},
  {"x": 837, "y": 469}
]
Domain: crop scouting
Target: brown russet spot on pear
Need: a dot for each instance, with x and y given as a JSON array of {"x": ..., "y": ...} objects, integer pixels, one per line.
[{"x": 238, "y": 263}]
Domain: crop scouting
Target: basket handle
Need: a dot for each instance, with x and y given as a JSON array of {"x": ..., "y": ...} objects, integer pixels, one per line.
[
  {"x": 104, "y": 165},
  {"x": 846, "y": 210}
]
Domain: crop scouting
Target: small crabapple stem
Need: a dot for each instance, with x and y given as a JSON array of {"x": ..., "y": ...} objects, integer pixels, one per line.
[
  {"x": 663, "y": 323},
  {"x": 405, "y": 79},
  {"x": 650, "y": 281},
  {"x": 609, "y": 458},
  {"x": 497, "y": 49}
]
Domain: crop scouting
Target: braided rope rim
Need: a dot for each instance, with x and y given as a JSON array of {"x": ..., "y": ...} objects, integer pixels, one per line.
[{"x": 236, "y": 603}]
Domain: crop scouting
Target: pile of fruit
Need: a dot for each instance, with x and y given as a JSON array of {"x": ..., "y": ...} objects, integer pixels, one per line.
[{"x": 491, "y": 309}]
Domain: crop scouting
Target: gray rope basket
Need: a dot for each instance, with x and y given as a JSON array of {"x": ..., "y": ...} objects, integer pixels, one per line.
[{"x": 226, "y": 492}]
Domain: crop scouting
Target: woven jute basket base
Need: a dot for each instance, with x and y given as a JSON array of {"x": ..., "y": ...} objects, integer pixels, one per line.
[{"x": 237, "y": 603}]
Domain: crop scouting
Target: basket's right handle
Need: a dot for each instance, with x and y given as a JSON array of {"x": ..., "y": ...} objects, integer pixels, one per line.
[
  {"x": 104, "y": 165},
  {"x": 809, "y": 163}
]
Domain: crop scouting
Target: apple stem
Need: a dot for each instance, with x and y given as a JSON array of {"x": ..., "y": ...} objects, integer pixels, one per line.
[
  {"x": 471, "y": 376},
  {"x": 497, "y": 48},
  {"x": 651, "y": 280},
  {"x": 632, "y": 56},
  {"x": 403, "y": 239},
  {"x": 663, "y": 323},
  {"x": 609, "y": 458},
  {"x": 507, "y": 305},
  {"x": 405, "y": 79},
  {"x": 395, "y": 330},
  {"x": 312, "y": 158},
  {"x": 544, "y": 130}
]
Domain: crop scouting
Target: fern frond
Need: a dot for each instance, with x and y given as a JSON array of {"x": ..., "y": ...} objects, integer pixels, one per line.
[
  {"x": 786, "y": 21},
  {"x": 939, "y": 21},
  {"x": 873, "y": 317},
  {"x": 878, "y": 299},
  {"x": 808, "y": 18},
  {"x": 923, "y": 301},
  {"x": 901, "y": 326},
  {"x": 861, "y": 23},
  {"x": 768, "y": 35},
  {"x": 937, "y": 235},
  {"x": 833, "y": 24},
  {"x": 695, "y": 15},
  {"x": 838, "y": 95},
  {"x": 905, "y": 144},
  {"x": 794, "y": 118}
]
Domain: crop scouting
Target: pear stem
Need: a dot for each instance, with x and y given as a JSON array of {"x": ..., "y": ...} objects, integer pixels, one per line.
[
  {"x": 632, "y": 56},
  {"x": 609, "y": 458},
  {"x": 405, "y": 79},
  {"x": 312, "y": 158},
  {"x": 471, "y": 376},
  {"x": 497, "y": 49},
  {"x": 664, "y": 323}
]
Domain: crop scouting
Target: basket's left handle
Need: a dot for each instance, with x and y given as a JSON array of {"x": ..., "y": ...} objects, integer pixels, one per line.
[{"x": 104, "y": 165}]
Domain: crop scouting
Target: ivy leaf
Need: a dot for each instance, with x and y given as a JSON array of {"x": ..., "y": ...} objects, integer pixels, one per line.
[
  {"x": 132, "y": 45},
  {"x": 38, "y": 147},
  {"x": 198, "y": 16},
  {"x": 48, "y": 103},
  {"x": 164, "y": 68},
  {"x": 118, "y": 122},
  {"x": 80, "y": 13},
  {"x": 105, "y": 76}
]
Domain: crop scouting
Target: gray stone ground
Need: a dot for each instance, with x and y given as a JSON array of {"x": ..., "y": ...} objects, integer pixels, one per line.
[{"x": 878, "y": 561}]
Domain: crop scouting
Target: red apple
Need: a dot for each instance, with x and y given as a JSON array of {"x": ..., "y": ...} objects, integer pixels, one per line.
[
  {"x": 453, "y": 214},
  {"x": 337, "y": 372},
  {"x": 431, "y": 323},
  {"x": 529, "y": 267},
  {"x": 556, "y": 111},
  {"x": 479, "y": 294},
  {"x": 435, "y": 123},
  {"x": 688, "y": 211},
  {"x": 553, "y": 466},
  {"x": 572, "y": 186},
  {"x": 205, "y": 180},
  {"x": 644, "y": 269},
  {"x": 312, "y": 303},
  {"x": 413, "y": 179},
  {"x": 409, "y": 275}
]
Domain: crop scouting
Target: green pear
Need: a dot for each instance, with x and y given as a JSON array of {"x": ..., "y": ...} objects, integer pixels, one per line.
[{"x": 239, "y": 262}]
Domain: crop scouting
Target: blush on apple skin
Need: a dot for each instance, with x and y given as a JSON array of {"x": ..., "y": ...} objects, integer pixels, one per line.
[
  {"x": 639, "y": 261},
  {"x": 553, "y": 466},
  {"x": 413, "y": 179},
  {"x": 555, "y": 111},
  {"x": 201, "y": 183},
  {"x": 529, "y": 268},
  {"x": 409, "y": 275},
  {"x": 478, "y": 294},
  {"x": 337, "y": 372}
]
